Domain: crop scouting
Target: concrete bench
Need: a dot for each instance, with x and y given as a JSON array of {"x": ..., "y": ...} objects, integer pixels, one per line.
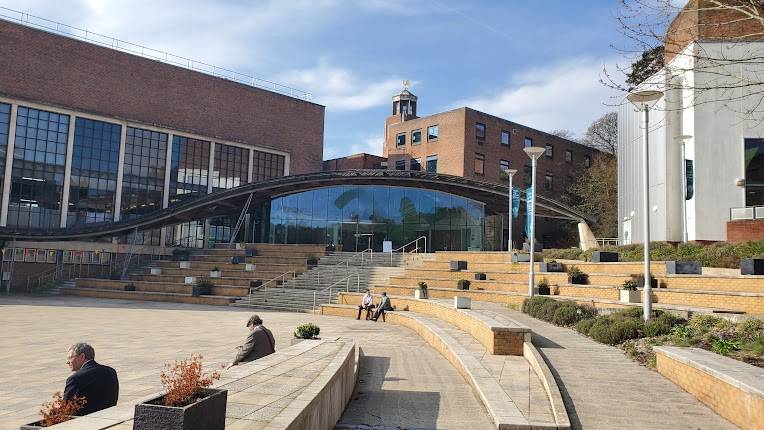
[
  {"x": 305, "y": 386},
  {"x": 733, "y": 389}
]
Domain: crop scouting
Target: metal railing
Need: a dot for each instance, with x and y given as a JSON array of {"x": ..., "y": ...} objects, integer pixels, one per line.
[
  {"x": 346, "y": 280},
  {"x": 278, "y": 280},
  {"x": 746, "y": 213},
  {"x": 146, "y": 52},
  {"x": 345, "y": 262},
  {"x": 415, "y": 242},
  {"x": 608, "y": 241}
]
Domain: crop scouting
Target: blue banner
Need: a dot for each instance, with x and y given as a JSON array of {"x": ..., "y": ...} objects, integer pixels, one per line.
[
  {"x": 515, "y": 202},
  {"x": 528, "y": 197}
]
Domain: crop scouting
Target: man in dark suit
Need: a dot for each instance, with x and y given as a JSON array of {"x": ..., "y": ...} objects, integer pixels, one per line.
[
  {"x": 259, "y": 343},
  {"x": 95, "y": 382}
]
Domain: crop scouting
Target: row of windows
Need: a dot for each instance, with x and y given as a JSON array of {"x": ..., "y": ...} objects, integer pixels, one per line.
[
  {"x": 416, "y": 164},
  {"x": 416, "y": 136},
  {"x": 143, "y": 179}
]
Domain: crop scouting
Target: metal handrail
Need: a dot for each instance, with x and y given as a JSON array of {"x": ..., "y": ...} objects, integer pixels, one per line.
[
  {"x": 608, "y": 241},
  {"x": 264, "y": 286},
  {"x": 345, "y": 262},
  {"x": 416, "y": 242},
  {"x": 241, "y": 219},
  {"x": 346, "y": 279}
]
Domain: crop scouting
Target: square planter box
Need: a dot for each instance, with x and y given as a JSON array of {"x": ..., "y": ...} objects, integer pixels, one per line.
[
  {"x": 37, "y": 425},
  {"x": 214, "y": 273},
  {"x": 207, "y": 413},
  {"x": 312, "y": 262},
  {"x": 255, "y": 284},
  {"x": 185, "y": 264},
  {"x": 250, "y": 252},
  {"x": 604, "y": 257},
  {"x": 629, "y": 296},
  {"x": 189, "y": 279},
  {"x": 155, "y": 270},
  {"x": 198, "y": 290},
  {"x": 420, "y": 293},
  {"x": 551, "y": 267},
  {"x": 683, "y": 268},
  {"x": 249, "y": 267},
  {"x": 463, "y": 285},
  {"x": 237, "y": 259},
  {"x": 480, "y": 276},
  {"x": 578, "y": 280},
  {"x": 640, "y": 280},
  {"x": 462, "y": 302},
  {"x": 129, "y": 287},
  {"x": 521, "y": 258},
  {"x": 543, "y": 291},
  {"x": 751, "y": 266},
  {"x": 459, "y": 265}
]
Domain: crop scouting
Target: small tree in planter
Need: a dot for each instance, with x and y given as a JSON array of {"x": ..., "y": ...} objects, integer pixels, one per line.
[
  {"x": 463, "y": 284},
  {"x": 187, "y": 404},
  {"x": 421, "y": 292},
  {"x": 629, "y": 292},
  {"x": 480, "y": 276},
  {"x": 577, "y": 276},
  {"x": 543, "y": 287},
  {"x": 307, "y": 331},
  {"x": 57, "y": 411},
  {"x": 215, "y": 272},
  {"x": 202, "y": 287}
]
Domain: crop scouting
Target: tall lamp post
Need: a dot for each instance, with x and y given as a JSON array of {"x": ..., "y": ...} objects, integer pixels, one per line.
[
  {"x": 682, "y": 140},
  {"x": 643, "y": 101},
  {"x": 534, "y": 152},
  {"x": 510, "y": 173}
]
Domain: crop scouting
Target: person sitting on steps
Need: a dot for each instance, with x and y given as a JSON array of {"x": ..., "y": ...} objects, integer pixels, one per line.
[
  {"x": 384, "y": 306},
  {"x": 368, "y": 304}
]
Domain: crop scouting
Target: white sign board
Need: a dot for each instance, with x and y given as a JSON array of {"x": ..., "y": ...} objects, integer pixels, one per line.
[{"x": 387, "y": 246}]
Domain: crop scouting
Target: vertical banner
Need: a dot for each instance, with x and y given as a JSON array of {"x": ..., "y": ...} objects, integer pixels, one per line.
[
  {"x": 528, "y": 198},
  {"x": 515, "y": 202}
]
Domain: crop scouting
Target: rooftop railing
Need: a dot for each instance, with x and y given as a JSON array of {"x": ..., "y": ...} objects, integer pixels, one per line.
[
  {"x": 749, "y": 212},
  {"x": 146, "y": 52}
]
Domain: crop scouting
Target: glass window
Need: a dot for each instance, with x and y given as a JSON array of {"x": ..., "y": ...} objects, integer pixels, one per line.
[
  {"x": 479, "y": 164},
  {"x": 416, "y": 137},
  {"x": 230, "y": 167},
  {"x": 568, "y": 156},
  {"x": 432, "y": 163},
  {"x": 527, "y": 142},
  {"x": 189, "y": 168},
  {"x": 400, "y": 164},
  {"x": 400, "y": 140},
  {"x": 416, "y": 164},
  {"x": 432, "y": 132},
  {"x": 587, "y": 161},
  {"x": 5, "y": 120},
  {"x": 267, "y": 166},
  {"x": 37, "y": 178},
  {"x": 504, "y": 165},
  {"x": 143, "y": 178},
  {"x": 754, "y": 172},
  {"x": 480, "y": 130},
  {"x": 548, "y": 182},
  {"x": 505, "y": 137},
  {"x": 549, "y": 151}
]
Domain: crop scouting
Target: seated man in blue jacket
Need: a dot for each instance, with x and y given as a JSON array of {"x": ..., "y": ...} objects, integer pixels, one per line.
[
  {"x": 384, "y": 306},
  {"x": 97, "y": 383}
]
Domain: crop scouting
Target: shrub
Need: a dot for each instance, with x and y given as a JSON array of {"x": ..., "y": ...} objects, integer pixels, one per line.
[
  {"x": 585, "y": 325},
  {"x": 563, "y": 254},
  {"x": 59, "y": 410},
  {"x": 543, "y": 287},
  {"x": 566, "y": 314},
  {"x": 577, "y": 276},
  {"x": 630, "y": 312},
  {"x": 547, "y": 310},
  {"x": 307, "y": 331},
  {"x": 532, "y": 305},
  {"x": 724, "y": 346},
  {"x": 629, "y": 285},
  {"x": 702, "y": 324},
  {"x": 204, "y": 283},
  {"x": 613, "y": 331},
  {"x": 184, "y": 380},
  {"x": 750, "y": 329},
  {"x": 663, "y": 324}
]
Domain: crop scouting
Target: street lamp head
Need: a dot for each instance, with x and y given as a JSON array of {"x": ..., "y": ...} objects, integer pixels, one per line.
[
  {"x": 644, "y": 98},
  {"x": 510, "y": 172},
  {"x": 534, "y": 152},
  {"x": 683, "y": 137}
]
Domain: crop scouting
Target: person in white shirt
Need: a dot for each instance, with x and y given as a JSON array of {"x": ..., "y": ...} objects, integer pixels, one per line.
[{"x": 368, "y": 304}]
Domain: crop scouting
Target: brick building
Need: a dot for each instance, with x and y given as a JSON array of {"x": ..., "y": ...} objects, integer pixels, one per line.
[{"x": 355, "y": 161}]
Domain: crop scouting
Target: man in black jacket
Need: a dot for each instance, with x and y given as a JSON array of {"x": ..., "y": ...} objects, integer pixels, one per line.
[{"x": 95, "y": 382}]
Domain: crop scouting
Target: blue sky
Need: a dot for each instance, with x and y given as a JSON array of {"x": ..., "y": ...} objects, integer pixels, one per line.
[{"x": 534, "y": 62}]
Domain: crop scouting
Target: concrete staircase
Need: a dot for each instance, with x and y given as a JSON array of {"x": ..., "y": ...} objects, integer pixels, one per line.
[{"x": 335, "y": 272}]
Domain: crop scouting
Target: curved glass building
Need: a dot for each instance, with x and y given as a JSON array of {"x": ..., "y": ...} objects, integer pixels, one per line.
[{"x": 361, "y": 215}]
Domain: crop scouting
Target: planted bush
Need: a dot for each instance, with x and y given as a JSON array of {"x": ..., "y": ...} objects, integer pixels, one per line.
[
  {"x": 567, "y": 314},
  {"x": 559, "y": 312},
  {"x": 585, "y": 325},
  {"x": 59, "y": 410},
  {"x": 184, "y": 380},
  {"x": 543, "y": 286},
  {"x": 612, "y": 331},
  {"x": 663, "y": 324},
  {"x": 577, "y": 276},
  {"x": 307, "y": 331}
]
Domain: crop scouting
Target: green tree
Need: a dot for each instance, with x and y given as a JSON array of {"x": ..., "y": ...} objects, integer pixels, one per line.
[
  {"x": 595, "y": 193},
  {"x": 645, "y": 66}
]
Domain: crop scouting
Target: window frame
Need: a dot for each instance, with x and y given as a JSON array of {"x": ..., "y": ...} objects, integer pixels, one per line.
[
  {"x": 413, "y": 133},
  {"x": 549, "y": 151},
  {"x": 398, "y": 137},
  {"x": 479, "y": 158},
  {"x": 433, "y": 157},
  {"x": 503, "y": 133},
  {"x": 501, "y": 165},
  {"x": 478, "y": 135},
  {"x": 527, "y": 140},
  {"x": 437, "y": 132},
  {"x": 568, "y": 156},
  {"x": 400, "y": 163}
]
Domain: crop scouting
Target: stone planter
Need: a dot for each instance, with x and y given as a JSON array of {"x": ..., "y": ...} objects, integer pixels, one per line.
[
  {"x": 480, "y": 276},
  {"x": 255, "y": 283},
  {"x": 463, "y": 284},
  {"x": 312, "y": 262},
  {"x": 640, "y": 280},
  {"x": 420, "y": 293},
  {"x": 201, "y": 290},
  {"x": 751, "y": 266},
  {"x": 578, "y": 280},
  {"x": 155, "y": 270},
  {"x": 38, "y": 424},
  {"x": 630, "y": 296},
  {"x": 207, "y": 413},
  {"x": 683, "y": 268},
  {"x": 604, "y": 257},
  {"x": 249, "y": 267},
  {"x": 459, "y": 265},
  {"x": 521, "y": 258},
  {"x": 462, "y": 302},
  {"x": 129, "y": 287},
  {"x": 250, "y": 252},
  {"x": 185, "y": 264},
  {"x": 543, "y": 290},
  {"x": 189, "y": 279},
  {"x": 214, "y": 273},
  {"x": 237, "y": 259},
  {"x": 551, "y": 267}
]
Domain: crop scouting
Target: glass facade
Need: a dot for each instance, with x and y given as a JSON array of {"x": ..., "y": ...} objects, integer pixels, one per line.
[
  {"x": 231, "y": 165},
  {"x": 754, "y": 172},
  {"x": 37, "y": 179},
  {"x": 95, "y": 158},
  {"x": 339, "y": 215},
  {"x": 267, "y": 166},
  {"x": 5, "y": 125},
  {"x": 144, "y": 172},
  {"x": 189, "y": 168}
]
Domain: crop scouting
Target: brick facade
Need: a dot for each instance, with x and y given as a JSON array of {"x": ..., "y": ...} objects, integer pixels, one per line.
[
  {"x": 72, "y": 74},
  {"x": 745, "y": 230},
  {"x": 355, "y": 161}
]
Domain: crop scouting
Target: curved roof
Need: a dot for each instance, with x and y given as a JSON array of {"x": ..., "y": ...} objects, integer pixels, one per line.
[{"x": 231, "y": 201}]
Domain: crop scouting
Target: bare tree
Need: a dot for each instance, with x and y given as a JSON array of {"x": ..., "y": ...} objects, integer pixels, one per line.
[
  {"x": 563, "y": 133},
  {"x": 728, "y": 70},
  {"x": 602, "y": 134}
]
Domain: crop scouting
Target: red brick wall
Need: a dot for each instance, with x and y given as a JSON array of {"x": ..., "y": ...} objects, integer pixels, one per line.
[
  {"x": 356, "y": 161},
  {"x": 68, "y": 73},
  {"x": 743, "y": 231}
]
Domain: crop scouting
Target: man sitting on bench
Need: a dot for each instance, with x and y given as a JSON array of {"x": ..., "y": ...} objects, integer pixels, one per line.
[
  {"x": 368, "y": 304},
  {"x": 384, "y": 305}
]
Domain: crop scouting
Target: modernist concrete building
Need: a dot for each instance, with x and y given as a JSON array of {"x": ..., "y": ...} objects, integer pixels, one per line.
[
  {"x": 92, "y": 134},
  {"x": 719, "y": 131}
]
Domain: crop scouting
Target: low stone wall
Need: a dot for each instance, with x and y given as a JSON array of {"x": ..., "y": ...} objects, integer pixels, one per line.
[{"x": 733, "y": 389}]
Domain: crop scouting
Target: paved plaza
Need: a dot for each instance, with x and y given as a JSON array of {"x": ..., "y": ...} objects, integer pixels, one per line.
[{"x": 404, "y": 382}]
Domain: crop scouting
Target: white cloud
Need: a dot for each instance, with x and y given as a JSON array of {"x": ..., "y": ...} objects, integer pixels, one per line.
[
  {"x": 340, "y": 89},
  {"x": 371, "y": 145},
  {"x": 566, "y": 95}
]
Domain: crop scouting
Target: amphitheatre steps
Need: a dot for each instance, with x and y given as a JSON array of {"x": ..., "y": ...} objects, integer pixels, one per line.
[
  {"x": 159, "y": 287},
  {"x": 150, "y": 296},
  {"x": 172, "y": 279},
  {"x": 204, "y": 265}
]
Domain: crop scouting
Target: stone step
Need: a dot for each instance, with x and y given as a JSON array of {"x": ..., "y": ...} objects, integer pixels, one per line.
[
  {"x": 150, "y": 296},
  {"x": 159, "y": 287}
]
